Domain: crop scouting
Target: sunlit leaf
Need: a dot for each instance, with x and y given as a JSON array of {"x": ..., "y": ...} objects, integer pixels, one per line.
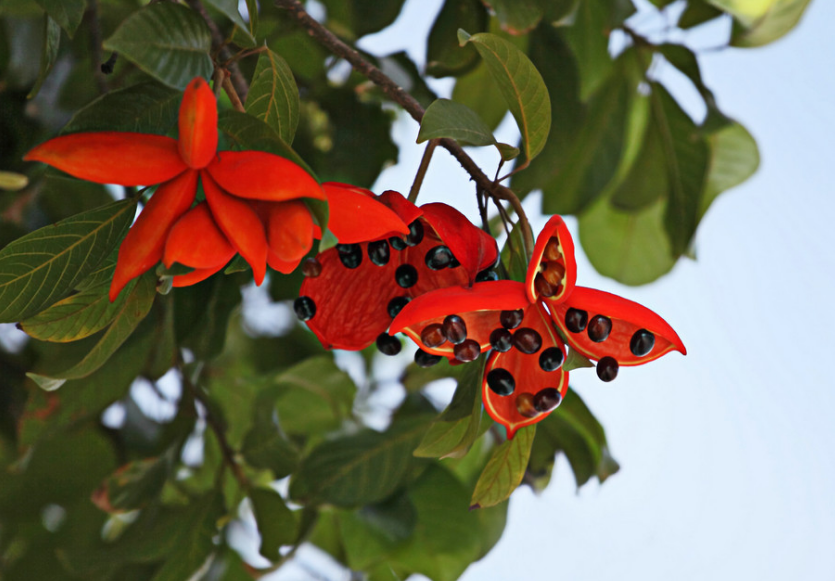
[
  {"x": 273, "y": 95},
  {"x": 505, "y": 470}
]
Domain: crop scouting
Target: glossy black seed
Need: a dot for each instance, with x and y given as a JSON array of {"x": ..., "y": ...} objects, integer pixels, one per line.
[
  {"x": 501, "y": 340},
  {"x": 501, "y": 381},
  {"x": 547, "y": 399},
  {"x": 424, "y": 359},
  {"x": 438, "y": 258},
  {"x": 576, "y": 320},
  {"x": 550, "y": 359},
  {"x": 379, "y": 253},
  {"x": 387, "y": 344},
  {"x": 415, "y": 236},
  {"x": 524, "y": 405},
  {"x": 641, "y": 343},
  {"x": 607, "y": 368},
  {"x": 543, "y": 287},
  {"x": 527, "y": 340},
  {"x": 599, "y": 328},
  {"x": 406, "y": 275},
  {"x": 454, "y": 263},
  {"x": 311, "y": 267},
  {"x": 467, "y": 351},
  {"x": 350, "y": 255},
  {"x": 433, "y": 335},
  {"x": 486, "y": 275},
  {"x": 397, "y": 243},
  {"x": 511, "y": 319},
  {"x": 305, "y": 308},
  {"x": 455, "y": 329},
  {"x": 396, "y": 305}
]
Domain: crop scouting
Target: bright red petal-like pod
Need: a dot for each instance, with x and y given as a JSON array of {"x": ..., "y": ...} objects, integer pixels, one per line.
[
  {"x": 195, "y": 276},
  {"x": 143, "y": 246},
  {"x": 356, "y": 215},
  {"x": 289, "y": 230},
  {"x": 599, "y": 324},
  {"x": 198, "y": 124},
  {"x": 241, "y": 225},
  {"x": 110, "y": 157},
  {"x": 552, "y": 271},
  {"x": 259, "y": 175},
  {"x": 196, "y": 241}
]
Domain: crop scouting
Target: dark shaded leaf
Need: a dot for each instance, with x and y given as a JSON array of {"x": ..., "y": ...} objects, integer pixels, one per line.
[
  {"x": 67, "y": 13},
  {"x": 504, "y": 470},
  {"x": 266, "y": 447},
  {"x": 588, "y": 37},
  {"x": 143, "y": 108},
  {"x": 229, "y": 8},
  {"x": 402, "y": 70},
  {"x": 517, "y": 16},
  {"x": 443, "y": 55},
  {"x": 134, "y": 485},
  {"x": 51, "y": 43},
  {"x": 273, "y": 95},
  {"x": 276, "y": 523},
  {"x": 356, "y": 18},
  {"x": 697, "y": 12},
  {"x": 513, "y": 256},
  {"x": 202, "y": 314}
]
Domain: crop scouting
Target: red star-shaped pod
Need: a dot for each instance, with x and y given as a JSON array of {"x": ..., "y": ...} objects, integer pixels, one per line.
[
  {"x": 523, "y": 379},
  {"x": 552, "y": 271},
  {"x": 358, "y": 288}
]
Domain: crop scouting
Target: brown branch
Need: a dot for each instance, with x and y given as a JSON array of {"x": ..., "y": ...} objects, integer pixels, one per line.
[
  {"x": 421, "y": 172},
  {"x": 223, "y": 52},
  {"x": 233, "y": 94},
  {"x": 396, "y": 93}
]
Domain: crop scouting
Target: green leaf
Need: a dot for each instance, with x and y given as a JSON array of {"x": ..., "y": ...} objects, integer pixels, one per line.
[
  {"x": 356, "y": 18},
  {"x": 51, "y": 43},
  {"x": 513, "y": 256},
  {"x": 266, "y": 447},
  {"x": 777, "y": 20},
  {"x": 520, "y": 84},
  {"x": 649, "y": 179},
  {"x": 573, "y": 430},
  {"x": 273, "y": 95},
  {"x": 67, "y": 13},
  {"x": 125, "y": 321},
  {"x": 134, "y": 485},
  {"x": 41, "y": 267},
  {"x": 276, "y": 523},
  {"x": 685, "y": 61},
  {"x": 12, "y": 182},
  {"x": 443, "y": 55},
  {"x": 697, "y": 12},
  {"x": 445, "y": 118},
  {"x": 470, "y": 90},
  {"x": 504, "y": 470},
  {"x": 360, "y": 469},
  {"x": 517, "y": 16},
  {"x": 168, "y": 41},
  {"x": 143, "y": 108},
  {"x": 575, "y": 361},
  {"x": 589, "y": 39},
  {"x": 402, "y": 70},
  {"x": 455, "y": 430},
  {"x": 229, "y": 8},
  {"x": 734, "y": 157},
  {"x": 203, "y": 312}
]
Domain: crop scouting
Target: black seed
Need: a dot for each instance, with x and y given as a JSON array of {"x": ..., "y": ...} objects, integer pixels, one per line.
[
  {"x": 599, "y": 328},
  {"x": 486, "y": 275},
  {"x": 397, "y": 243},
  {"x": 396, "y": 305},
  {"x": 467, "y": 351},
  {"x": 424, "y": 359},
  {"x": 551, "y": 359},
  {"x": 511, "y": 319},
  {"x": 455, "y": 329},
  {"x": 607, "y": 368},
  {"x": 546, "y": 399},
  {"x": 311, "y": 267},
  {"x": 415, "y": 236},
  {"x": 305, "y": 308},
  {"x": 524, "y": 405},
  {"x": 438, "y": 258},
  {"x": 641, "y": 343},
  {"x": 501, "y": 340},
  {"x": 454, "y": 262},
  {"x": 387, "y": 344},
  {"x": 433, "y": 335},
  {"x": 527, "y": 340},
  {"x": 350, "y": 255},
  {"x": 501, "y": 381},
  {"x": 576, "y": 320},
  {"x": 379, "y": 253},
  {"x": 406, "y": 275},
  {"x": 543, "y": 287}
]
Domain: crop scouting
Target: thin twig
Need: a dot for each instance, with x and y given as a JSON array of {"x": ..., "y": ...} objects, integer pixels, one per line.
[
  {"x": 421, "y": 172},
  {"x": 233, "y": 95},
  {"x": 327, "y": 39}
]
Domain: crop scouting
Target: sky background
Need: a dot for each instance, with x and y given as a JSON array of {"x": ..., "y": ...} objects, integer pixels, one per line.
[{"x": 726, "y": 463}]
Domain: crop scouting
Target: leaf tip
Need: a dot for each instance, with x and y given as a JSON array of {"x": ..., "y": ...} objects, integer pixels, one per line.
[{"x": 463, "y": 37}]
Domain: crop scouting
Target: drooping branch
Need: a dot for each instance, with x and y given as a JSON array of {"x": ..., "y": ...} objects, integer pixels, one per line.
[{"x": 396, "y": 93}]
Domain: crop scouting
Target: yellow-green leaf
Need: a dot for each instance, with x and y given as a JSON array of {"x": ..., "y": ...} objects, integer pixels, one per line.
[{"x": 504, "y": 470}]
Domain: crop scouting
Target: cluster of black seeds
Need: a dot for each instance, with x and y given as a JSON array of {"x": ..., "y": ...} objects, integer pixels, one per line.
[
  {"x": 452, "y": 329},
  {"x": 502, "y": 383}
]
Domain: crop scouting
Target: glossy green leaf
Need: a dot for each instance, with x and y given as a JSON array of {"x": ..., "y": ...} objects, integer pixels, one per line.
[
  {"x": 143, "y": 108},
  {"x": 229, "y": 8},
  {"x": 125, "y": 321},
  {"x": 49, "y": 54},
  {"x": 359, "y": 469},
  {"x": 41, "y": 267},
  {"x": 443, "y": 55},
  {"x": 168, "y": 41},
  {"x": 504, "y": 470},
  {"x": 276, "y": 522},
  {"x": 446, "y": 118},
  {"x": 520, "y": 84},
  {"x": 517, "y": 16},
  {"x": 734, "y": 157},
  {"x": 573, "y": 430},
  {"x": 273, "y": 95},
  {"x": 67, "y": 13},
  {"x": 455, "y": 430}
]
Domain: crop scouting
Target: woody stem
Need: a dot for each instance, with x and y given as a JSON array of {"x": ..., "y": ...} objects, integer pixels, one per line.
[
  {"x": 396, "y": 93},
  {"x": 421, "y": 172}
]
